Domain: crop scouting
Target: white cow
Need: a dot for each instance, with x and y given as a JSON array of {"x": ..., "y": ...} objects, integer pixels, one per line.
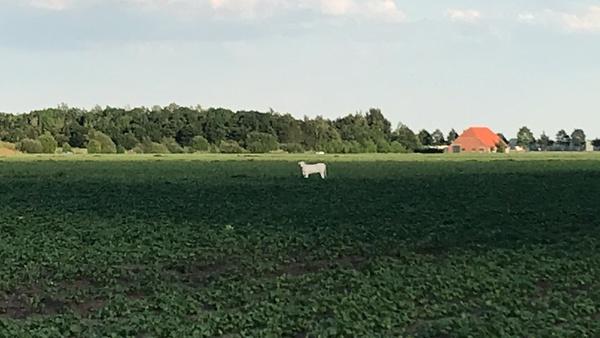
[{"x": 308, "y": 169}]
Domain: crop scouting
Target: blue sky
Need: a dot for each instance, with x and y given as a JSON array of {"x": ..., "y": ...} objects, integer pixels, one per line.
[{"x": 429, "y": 64}]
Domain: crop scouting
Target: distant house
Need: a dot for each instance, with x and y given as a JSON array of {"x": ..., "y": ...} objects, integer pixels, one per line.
[
  {"x": 477, "y": 140},
  {"x": 589, "y": 145},
  {"x": 513, "y": 145}
]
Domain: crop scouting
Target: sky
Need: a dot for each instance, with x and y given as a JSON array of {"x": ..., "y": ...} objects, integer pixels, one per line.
[{"x": 429, "y": 64}]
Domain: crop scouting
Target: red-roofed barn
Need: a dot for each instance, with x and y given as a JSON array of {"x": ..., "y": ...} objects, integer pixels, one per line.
[{"x": 477, "y": 140}]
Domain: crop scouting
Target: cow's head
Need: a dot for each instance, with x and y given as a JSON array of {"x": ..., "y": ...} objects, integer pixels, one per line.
[{"x": 302, "y": 163}]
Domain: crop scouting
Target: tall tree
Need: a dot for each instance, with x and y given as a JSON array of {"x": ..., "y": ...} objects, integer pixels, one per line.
[
  {"x": 545, "y": 142},
  {"x": 438, "y": 138},
  {"x": 452, "y": 135},
  {"x": 425, "y": 138},
  {"x": 525, "y": 137},
  {"x": 503, "y": 138},
  {"x": 378, "y": 123},
  {"x": 406, "y": 137},
  {"x": 562, "y": 138},
  {"x": 578, "y": 138}
]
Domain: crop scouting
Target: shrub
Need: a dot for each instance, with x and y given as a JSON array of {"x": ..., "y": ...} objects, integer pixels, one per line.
[
  {"x": 48, "y": 143},
  {"x": 155, "y": 148},
  {"x": 334, "y": 147},
  {"x": 66, "y": 148},
  {"x": 8, "y": 145},
  {"x": 369, "y": 147},
  {"x": 94, "y": 147},
  {"x": 107, "y": 146},
  {"x": 293, "y": 148},
  {"x": 149, "y": 147},
  {"x": 214, "y": 149},
  {"x": 500, "y": 148},
  {"x": 138, "y": 149},
  {"x": 172, "y": 146},
  {"x": 30, "y": 146},
  {"x": 383, "y": 146},
  {"x": 429, "y": 151},
  {"x": 397, "y": 147},
  {"x": 354, "y": 147},
  {"x": 120, "y": 149},
  {"x": 257, "y": 142},
  {"x": 199, "y": 143},
  {"x": 129, "y": 141},
  {"x": 61, "y": 139},
  {"x": 230, "y": 147}
]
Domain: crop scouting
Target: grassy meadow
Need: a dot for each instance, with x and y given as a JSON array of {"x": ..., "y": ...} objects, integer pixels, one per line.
[{"x": 241, "y": 246}]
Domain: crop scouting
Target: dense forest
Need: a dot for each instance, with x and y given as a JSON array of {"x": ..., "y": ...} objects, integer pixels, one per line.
[
  {"x": 179, "y": 129},
  {"x": 176, "y": 129}
]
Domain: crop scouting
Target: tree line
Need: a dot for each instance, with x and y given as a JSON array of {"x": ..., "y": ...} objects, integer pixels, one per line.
[
  {"x": 576, "y": 141},
  {"x": 177, "y": 129}
]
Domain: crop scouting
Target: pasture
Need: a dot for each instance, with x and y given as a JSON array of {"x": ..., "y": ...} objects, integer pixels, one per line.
[{"x": 242, "y": 246}]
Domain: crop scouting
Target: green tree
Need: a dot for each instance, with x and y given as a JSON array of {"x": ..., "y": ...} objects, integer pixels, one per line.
[
  {"x": 129, "y": 141},
  {"x": 383, "y": 146},
  {"x": 562, "y": 138},
  {"x": 452, "y": 136},
  {"x": 150, "y": 147},
  {"x": 77, "y": 135},
  {"x": 544, "y": 142},
  {"x": 378, "y": 124},
  {"x": 525, "y": 137},
  {"x": 199, "y": 143},
  {"x": 369, "y": 146},
  {"x": 438, "y": 138},
  {"x": 425, "y": 138},
  {"x": 185, "y": 135},
  {"x": 397, "y": 147},
  {"x": 503, "y": 138},
  {"x": 319, "y": 132},
  {"x": 288, "y": 129},
  {"x": 230, "y": 147},
  {"x": 48, "y": 143},
  {"x": 66, "y": 148},
  {"x": 94, "y": 147},
  {"x": 578, "y": 138},
  {"x": 292, "y": 148},
  {"x": 406, "y": 137},
  {"x": 172, "y": 145},
  {"x": 107, "y": 146},
  {"x": 30, "y": 146},
  {"x": 257, "y": 142},
  {"x": 501, "y": 147},
  {"x": 335, "y": 146}
]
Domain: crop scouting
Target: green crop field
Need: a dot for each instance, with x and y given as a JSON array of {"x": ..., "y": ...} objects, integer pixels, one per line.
[{"x": 241, "y": 246}]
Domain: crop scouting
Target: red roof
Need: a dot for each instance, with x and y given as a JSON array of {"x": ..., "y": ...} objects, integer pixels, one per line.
[{"x": 478, "y": 137}]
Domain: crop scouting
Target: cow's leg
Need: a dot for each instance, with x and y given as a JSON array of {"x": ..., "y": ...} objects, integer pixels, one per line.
[{"x": 322, "y": 174}]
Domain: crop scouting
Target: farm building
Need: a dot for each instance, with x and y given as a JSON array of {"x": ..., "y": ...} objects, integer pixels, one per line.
[{"x": 477, "y": 140}]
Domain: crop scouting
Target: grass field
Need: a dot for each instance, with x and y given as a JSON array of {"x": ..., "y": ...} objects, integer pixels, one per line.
[{"x": 215, "y": 245}]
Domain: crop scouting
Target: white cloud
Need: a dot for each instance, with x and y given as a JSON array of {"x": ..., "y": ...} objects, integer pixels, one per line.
[
  {"x": 335, "y": 7},
  {"x": 55, "y": 5},
  {"x": 588, "y": 21},
  {"x": 386, "y": 10},
  {"x": 584, "y": 21},
  {"x": 527, "y": 18},
  {"x": 382, "y": 10},
  {"x": 463, "y": 15}
]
